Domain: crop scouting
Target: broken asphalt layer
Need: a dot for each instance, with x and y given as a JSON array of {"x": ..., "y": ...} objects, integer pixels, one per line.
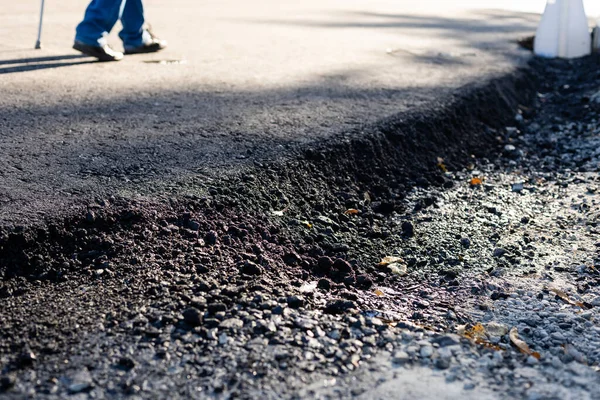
[{"x": 181, "y": 243}]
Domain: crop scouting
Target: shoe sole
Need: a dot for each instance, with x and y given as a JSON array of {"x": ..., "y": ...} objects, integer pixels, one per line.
[
  {"x": 145, "y": 50},
  {"x": 94, "y": 52}
]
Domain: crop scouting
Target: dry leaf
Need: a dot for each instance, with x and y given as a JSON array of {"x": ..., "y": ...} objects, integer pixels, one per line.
[
  {"x": 385, "y": 261},
  {"x": 351, "y": 211},
  {"x": 476, "y": 332},
  {"x": 379, "y": 293},
  {"x": 441, "y": 165},
  {"x": 566, "y": 298},
  {"x": 307, "y": 224},
  {"x": 521, "y": 345},
  {"x": 475, "y": 181},
  {"x": 396, "y": 265},
  {"x": 398, "y": 269},
  {"x": 478, "y": 335}
]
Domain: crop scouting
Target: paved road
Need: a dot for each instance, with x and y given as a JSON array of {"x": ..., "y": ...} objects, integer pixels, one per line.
[{"x": 254, "y": 81}]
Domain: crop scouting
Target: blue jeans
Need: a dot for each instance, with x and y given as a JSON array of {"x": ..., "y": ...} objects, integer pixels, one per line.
[{"x": 102, "y": 15}]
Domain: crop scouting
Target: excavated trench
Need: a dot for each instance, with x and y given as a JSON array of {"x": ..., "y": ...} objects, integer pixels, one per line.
[
  {"x": 370, "y": 171},
  {"x": 296, "y": 239}
]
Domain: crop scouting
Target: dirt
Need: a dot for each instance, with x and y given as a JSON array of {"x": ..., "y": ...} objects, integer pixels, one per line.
[{"x": 254, "y": 284}]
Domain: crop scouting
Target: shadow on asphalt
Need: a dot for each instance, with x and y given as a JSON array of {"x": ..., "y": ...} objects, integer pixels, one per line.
[
  {"x": 143, "y": 142},
  {"x": 37, "y": 63}
]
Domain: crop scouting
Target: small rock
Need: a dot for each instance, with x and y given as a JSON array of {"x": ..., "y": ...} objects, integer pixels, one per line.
[
  {"x": 512, "y": 152},
  {"x": 499, "y": 252},
  {"x": 400, "y": 358},
  {"x": 211, "y": 334},
  {"x": 422, "y": 304},
  {"x": 531, "y": 360},
  {"x": 7, "y": 382},
  {"x": 308, "y": 287},
  {"x": 499, "y": 295},
  {"x": 324, "y": 265},
  {"x": 338, "y": 306},
  {"x": 342, "y": 265},
  {"x": 192, "y": 316},
  {"x": 304, "y": 323},
  {"x": 250, "y": 268},
  {"x": 465, "y": 242},
  {"x": 408, "y": 229},
  {"x": 223, "y": 339},
  {"x": 193, "y": 225},
  {"x": 426, "y": 351},
  {"x": 211, "y": 238},
  {"x": 324, "y": 284},
  {"x": 126, "y": 363},
  {"x": 81, "y": 382},
  {"x": 27, "y": 358},
  {"x": 231, "y": 323},
  {"x": 496, "y": 329},
  {"x": 364, "y": 281},
  {"x": 558, "y": 336},
  {"x": 277, "y": 310},
  {"x": 450, "y": 339},
  {"x": 291, "y": 259},
  {"x": 214, "y": 308},
  {"x": 442, "y": 363},
  {"x": 295, "y": 301},
  {"x": 517, "y": 187}
]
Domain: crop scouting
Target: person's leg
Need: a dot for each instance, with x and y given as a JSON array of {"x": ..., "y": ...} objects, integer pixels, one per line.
[
  {"x": 135, "y": 35},
  {"x": 100, "y": 17},
  {"x": 133, "y": 23}
]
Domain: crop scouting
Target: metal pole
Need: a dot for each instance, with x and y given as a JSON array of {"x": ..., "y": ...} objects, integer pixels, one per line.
[{"x": 38, "y": 43}]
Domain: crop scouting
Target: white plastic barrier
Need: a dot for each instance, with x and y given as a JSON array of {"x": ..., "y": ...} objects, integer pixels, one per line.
[{"x": 563, "y": 31}]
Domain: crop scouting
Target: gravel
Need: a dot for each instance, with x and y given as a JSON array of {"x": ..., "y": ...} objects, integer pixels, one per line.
[{"x": 217, "y": 295}]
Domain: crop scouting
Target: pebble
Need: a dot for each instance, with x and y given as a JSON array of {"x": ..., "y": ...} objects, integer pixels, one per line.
[
  {"x": 447, "y": 340},
  {"x": 531, "y": 360},
  {"x": 211, "y": 238},
  {"x": 338, "y": 306},
  {"x": 295, "y": 301},
  {"x": 81, "y": 381},
  {"x": 408, "y": 229},
  {"x": 250, "y": 268},
  {"x": 231, "y": 323},
  {"x": 400, "y": 358},
  {"x": 426, "y": 351},
  {"x": 223, "y": 339},
  {"x": 442, "y": 363},
  {"x": 517, "y": 187},
  {"x": 499, "y": 252},
  {"x": 192, "y": 316},
  {"x": 558, "y": 336}
]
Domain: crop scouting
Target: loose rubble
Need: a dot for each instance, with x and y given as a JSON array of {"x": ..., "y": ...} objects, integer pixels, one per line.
[{"x": 208, "y": 297}]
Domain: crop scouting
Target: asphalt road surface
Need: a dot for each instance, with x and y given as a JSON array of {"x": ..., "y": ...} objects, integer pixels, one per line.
[{"x": 238, "y": 82}]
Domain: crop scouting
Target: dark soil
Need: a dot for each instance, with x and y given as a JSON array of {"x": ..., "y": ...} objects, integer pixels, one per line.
[{"x": 255, "y": 285}]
